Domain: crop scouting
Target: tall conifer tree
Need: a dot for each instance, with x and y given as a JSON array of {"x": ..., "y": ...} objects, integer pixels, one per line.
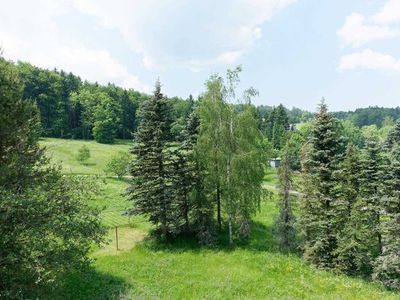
[
  {"x": 151, "y": 168},
  {"x": 319, "y": 212},
  {"x": 387, "y": 265}
]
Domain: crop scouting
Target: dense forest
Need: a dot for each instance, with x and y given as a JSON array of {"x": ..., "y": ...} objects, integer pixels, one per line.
[
  {"x": 72, "y": 108},
  {"x": 196, "y": 168}
]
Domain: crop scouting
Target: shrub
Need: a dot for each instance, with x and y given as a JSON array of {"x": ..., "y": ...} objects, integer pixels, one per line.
[
  {"x": 118, "y": 164},
  {"x": 83, "y": 154}
]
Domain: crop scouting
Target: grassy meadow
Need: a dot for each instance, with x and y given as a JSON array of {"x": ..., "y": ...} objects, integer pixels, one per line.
[
  {"x": 65, "y": 151},
  {"x": 145, "y": 269}
]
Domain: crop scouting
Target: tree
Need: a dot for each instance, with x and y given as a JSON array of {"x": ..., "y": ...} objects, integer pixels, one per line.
[
  {"x": 83, "y": 154},
  {"x": 387, "y": 265},
  {"x": 231, "y": 148},
  {"x": 360, "y": 242},
  {"x": 320, "y": 217},
  {"x": 286, "y": 219},
  {"x": 151, "y": 169},
  {"x": 118, "y": 164},
  {"x": 212, "y": 111},
  {"x": 46, "y": 228}
]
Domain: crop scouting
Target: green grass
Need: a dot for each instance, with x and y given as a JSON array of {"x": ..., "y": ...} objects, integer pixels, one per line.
[
  {"x": 145, "y": 269},
  {"x": 64, "y": 152}
]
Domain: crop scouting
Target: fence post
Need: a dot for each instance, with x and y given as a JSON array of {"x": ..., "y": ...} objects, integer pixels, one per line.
[{"x": 116, "y": 236}]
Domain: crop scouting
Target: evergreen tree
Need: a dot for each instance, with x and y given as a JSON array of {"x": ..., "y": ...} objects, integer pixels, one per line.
[
  {"x": 349, "y": 181},
  {"x": 286, "y": 219},
  {"x": 320, "y": 217},
  {"x": 393, "y": 136},
  {"x": 387, "y": 265},
  {"x": 360, "y": 240},
  {"x": 46, "y": 228},
  {"x": 186, "y": 175},
  {"x": 280, "y": 126},
  {"x": 151, "y": 169}
]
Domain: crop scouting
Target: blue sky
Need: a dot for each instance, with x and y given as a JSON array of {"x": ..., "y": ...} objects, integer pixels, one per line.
[{"x": 293, "y": 52}]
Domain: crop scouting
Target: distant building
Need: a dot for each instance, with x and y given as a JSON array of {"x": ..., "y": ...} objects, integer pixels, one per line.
[
  {"x": 292, "y": 127},
  {"x": 275, "y": 162}
]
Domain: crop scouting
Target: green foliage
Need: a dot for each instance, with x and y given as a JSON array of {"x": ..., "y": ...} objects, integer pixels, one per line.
[
  {"x": 276, "y": 126},
  {"x": 230, "y": 147},
  {"x": 217, "y": 272},
  {"x": 45, "y": 228},
  {"x": 387, "y": 265},
  {"x": 118, "y": 164},
  {"x": 286, "y": 219},
  {"x": 321, "y": 221},
  {"x": 359, "y": 189},
  {"x": 151, "y": 170},
  {"x": 64, "y": 151},
  {"x": 83, "y": 154}
]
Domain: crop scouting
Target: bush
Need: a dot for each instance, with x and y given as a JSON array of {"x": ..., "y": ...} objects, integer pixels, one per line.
[
  {"x": 118, "y": 164},
  {"x": 83, "y": 154}
]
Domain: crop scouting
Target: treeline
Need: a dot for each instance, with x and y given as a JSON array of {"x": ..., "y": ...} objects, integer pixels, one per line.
[
  {"x": 375, "y": 115},
  {"x": 212, "y": 177},
  {"x": 350, "y": 208},
  {"x": 72, "y": 108}
]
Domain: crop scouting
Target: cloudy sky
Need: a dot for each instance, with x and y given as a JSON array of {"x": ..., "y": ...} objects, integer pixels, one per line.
[{"x": 293, "y": 51}]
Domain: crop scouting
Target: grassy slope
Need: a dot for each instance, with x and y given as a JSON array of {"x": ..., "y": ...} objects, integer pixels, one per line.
[
  {"x": 255, "y": 270},
  {"x": 64, "y": 151}
]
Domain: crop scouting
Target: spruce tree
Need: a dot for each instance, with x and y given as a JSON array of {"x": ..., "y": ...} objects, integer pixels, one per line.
[
  {"x": 151, "y": 168},
  {"x": 286, "y": 219},
  {"x": 393, "y": 136},
  {"x": 319, "y": 212},
  {"x": 349, "y": 185},
  {"x": 360, "y": 241},
  {"x": 184, "y": 167},
  {"x": 387, "y": 265}
]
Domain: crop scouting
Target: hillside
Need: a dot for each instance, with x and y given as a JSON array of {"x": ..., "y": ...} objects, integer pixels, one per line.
[{"x": 143, "y": 268}]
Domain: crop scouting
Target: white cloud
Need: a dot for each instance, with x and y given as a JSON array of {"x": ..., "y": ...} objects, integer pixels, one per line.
[
  {"x": 356, "y": 32},
  {"x": 29, "y": 32},
  {"x": 390, "y": 13},
  {"x": 183, "y": 33},
  {"x": 368, "y": 59}
]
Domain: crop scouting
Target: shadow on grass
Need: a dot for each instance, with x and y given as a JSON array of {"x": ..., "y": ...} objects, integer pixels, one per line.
[
  {"x": 262, "y": 239},
  {"x": 90, "y": 284}
]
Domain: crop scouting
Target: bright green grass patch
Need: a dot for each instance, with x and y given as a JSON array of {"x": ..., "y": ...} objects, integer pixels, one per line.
[
  {"x": 271, "y": 176},
  {"x": 182, "y": 270},
  {"x": 64, "y": 151}
]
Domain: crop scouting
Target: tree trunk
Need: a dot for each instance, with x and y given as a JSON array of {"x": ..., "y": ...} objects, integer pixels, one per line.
[{"x": 230, "y": 229}]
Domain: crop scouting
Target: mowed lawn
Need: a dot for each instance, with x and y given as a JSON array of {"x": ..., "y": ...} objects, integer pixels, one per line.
[{"x": 145, "y": 269}]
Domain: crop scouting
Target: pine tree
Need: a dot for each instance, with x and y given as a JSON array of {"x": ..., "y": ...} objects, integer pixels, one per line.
[
  {"x": 151, "y": 169},
  {"x": 286, "y": 219},
  {"x": 319, "y": 212},
  {"x": 387, "y": 265}
]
